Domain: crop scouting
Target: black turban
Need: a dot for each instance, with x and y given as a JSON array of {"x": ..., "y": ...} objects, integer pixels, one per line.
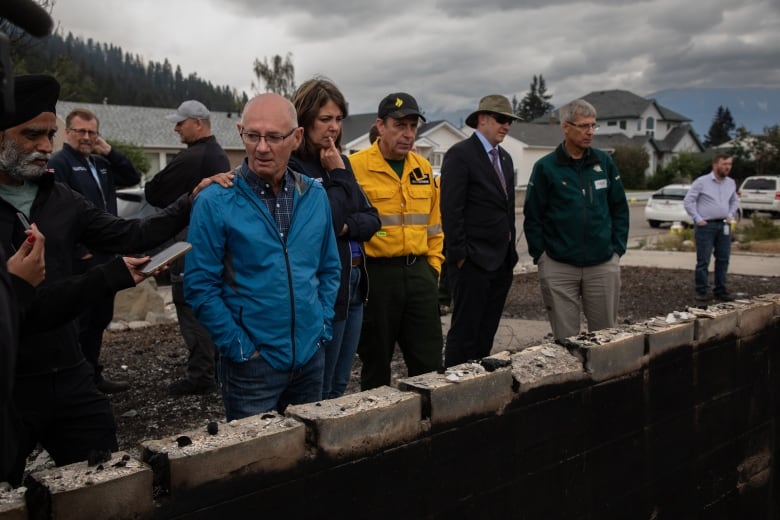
[{"x": 33, "y": 95}]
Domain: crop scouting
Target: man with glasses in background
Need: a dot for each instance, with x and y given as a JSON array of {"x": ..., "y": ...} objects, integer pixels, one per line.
[
  {"x": 91, "y": 166},
  {"x": 202, "y": 158},
  {"x": 478, "y": 217},
  {"x": 264, "y": 269},
  {"x": 576, "y": 226}
]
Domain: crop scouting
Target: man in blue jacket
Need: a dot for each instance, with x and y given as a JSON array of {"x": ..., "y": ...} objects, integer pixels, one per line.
[
  {"x": 576, "y": 225},
  {"x": 264, "y": 269}
]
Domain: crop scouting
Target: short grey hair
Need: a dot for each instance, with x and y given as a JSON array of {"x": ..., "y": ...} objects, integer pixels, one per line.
[{"x": 578, "y": 107}]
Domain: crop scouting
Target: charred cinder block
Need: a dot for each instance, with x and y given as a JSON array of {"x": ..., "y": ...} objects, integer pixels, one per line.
[
  {"x": 465, "y": 390},
  {"x": 118, "y": 488},
  {"x": 258, "y": 444},
  {"x": 358, "y": 424}
]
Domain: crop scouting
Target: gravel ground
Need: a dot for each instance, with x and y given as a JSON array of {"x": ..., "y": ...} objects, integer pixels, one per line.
[{"x": 153, "y": 357}]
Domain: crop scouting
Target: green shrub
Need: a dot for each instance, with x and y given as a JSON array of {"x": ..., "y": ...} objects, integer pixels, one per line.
[{"x": 760, "y": 228}]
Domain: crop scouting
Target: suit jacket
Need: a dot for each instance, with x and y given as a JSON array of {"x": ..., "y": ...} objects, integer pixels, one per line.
[{"x": 478, "y": 217}]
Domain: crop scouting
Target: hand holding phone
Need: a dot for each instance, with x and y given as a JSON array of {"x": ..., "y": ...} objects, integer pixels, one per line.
[
  {"x": 23, "y": 220},
  {"x": 164, "y": 257}
]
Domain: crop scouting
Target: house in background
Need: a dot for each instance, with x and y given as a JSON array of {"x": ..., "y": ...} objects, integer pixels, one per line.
[
  {"x": 629, "y": 119},
  {"x": 147, "y": 128}
]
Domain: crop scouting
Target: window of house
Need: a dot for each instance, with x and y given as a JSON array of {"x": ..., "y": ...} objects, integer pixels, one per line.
[
  {"x": 611, "y": 123},
  {"x": 650, "y": 123},
  {"x": 154, "y": 163},
  {"x": 435, "y": 159},
  {"x": 623, "y": 125},
  {"x": 638, "y": 125}
]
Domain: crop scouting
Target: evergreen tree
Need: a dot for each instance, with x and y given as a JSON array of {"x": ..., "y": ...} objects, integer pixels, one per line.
[
  {"x": 721, "y": 128},
  {"x": 632, "y": 162},
  {"x": 95, "y": 72},
  {"x": 278, "y": 76},
  {"x": 536, "y": 102}
]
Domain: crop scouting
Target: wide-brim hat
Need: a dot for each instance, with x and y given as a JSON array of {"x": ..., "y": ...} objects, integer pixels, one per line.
[{"x": 492, "y": 104}]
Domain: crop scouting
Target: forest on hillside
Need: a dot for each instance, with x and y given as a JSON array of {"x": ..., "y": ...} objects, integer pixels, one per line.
[{"x": 95, "y": 72}]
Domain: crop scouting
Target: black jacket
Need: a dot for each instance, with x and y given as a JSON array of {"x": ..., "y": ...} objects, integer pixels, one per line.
[
  {"x": 348, "y": 205},
  {"x": 46, "y": 308},
  {"x": 113, "y": 170},
  {"x": 66, "y": 218},
  {"x": 201, "y": 159},
  {"x": 478, "y": 217}
]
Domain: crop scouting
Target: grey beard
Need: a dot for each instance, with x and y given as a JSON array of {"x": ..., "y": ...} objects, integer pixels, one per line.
[{"x": 18, "y": 166}]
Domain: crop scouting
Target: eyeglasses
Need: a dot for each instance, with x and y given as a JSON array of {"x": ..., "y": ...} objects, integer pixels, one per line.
[
  {"x": 270, "y": 139},
  {"x": 502, "y": 119},
  {"x": 585, "y": 126},
  {"x": 84, "y": 131}
]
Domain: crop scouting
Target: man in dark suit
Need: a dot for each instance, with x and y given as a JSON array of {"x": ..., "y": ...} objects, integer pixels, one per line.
[
  {"x": 92, "y": 167},
  {"x": 478, "y": 217}
]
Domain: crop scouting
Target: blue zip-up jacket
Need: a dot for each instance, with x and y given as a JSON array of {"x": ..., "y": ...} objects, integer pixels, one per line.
[{"x": 252, "y": 291}]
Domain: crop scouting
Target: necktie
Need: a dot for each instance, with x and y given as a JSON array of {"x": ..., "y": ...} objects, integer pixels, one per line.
[
  {"x": 97, "y": 181},
  {"x": 497, "y": 167}
]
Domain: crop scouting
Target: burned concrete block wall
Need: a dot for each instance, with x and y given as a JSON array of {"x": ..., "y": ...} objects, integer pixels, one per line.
[{"x": 673, "y": 418}]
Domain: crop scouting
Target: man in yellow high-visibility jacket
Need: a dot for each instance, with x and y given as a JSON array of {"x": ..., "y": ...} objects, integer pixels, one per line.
[{"x": 404, "y": 257}]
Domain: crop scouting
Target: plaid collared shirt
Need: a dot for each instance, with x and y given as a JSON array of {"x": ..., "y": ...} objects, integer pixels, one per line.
[{"x": 280, "y": 205}]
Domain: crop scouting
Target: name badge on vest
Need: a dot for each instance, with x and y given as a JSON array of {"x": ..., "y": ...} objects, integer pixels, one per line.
[{"x": 418, "y": 177}]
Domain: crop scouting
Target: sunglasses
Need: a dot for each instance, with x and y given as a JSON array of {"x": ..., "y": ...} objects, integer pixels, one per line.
[{"x": 502, "y": 119}]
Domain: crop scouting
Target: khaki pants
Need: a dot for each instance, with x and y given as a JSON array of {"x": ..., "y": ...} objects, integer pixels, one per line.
[{"x": 567, "y": 290}]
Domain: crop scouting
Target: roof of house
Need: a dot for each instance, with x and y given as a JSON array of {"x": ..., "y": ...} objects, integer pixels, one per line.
[
  {"x": 675, "y": 136},
  {"x": 147, "y": 127},
  {"x": 356, "y": 125},
  {"x": 617, "y": 104},
  {"x": 537, "y": 134}
]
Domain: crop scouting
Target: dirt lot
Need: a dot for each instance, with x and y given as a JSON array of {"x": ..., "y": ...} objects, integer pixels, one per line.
[{"x": 152, "y": 358}]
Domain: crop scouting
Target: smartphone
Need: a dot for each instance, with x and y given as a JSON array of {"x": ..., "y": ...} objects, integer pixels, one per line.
[
  {"x": 164, "y": 257},
  {"x": 23, "y": 220}
]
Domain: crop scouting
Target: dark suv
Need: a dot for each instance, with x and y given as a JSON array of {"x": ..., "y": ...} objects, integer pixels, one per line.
[{"x": 760, "y": 193}]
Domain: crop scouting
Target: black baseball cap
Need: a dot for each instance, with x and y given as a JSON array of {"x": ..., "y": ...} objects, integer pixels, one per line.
[{"x": 398, "y": 106}]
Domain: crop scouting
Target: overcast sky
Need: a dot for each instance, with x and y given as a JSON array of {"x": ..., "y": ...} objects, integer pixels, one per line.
[{"x": 449, "y": 53}]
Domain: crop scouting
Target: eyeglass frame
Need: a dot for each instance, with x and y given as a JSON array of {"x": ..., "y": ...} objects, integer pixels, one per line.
[
  {"x": 270, "y": 139},
  {"x": 84, "y": 131},
  {"x": 585, "y": 126}
]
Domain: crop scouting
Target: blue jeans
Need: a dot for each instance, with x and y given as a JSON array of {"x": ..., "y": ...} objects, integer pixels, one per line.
[
  {"x": 340, "y": 351},
  {"x": 709, "y": 237},
  {"x": 254, "y": 386}
]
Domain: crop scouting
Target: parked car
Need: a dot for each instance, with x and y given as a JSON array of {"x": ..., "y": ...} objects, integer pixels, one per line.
[
  {"x": 665, "y": 206},
  {"x": 131, "y": 203},
  {"x": 760, "y": 193}
]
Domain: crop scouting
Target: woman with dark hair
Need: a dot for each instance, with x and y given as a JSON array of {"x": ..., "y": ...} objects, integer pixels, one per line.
[{"x": 321, "y": 109}]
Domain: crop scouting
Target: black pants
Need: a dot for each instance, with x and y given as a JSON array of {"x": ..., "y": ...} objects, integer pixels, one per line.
[
  {"x": 478, "y": 297},
  {"x": 92, "y": 324},
  {"x": 402, "y": 308},
  {"x": 203, "y": 354},
  {"x": 66, "y": 414},
  {"x": 94, "y": 320}
]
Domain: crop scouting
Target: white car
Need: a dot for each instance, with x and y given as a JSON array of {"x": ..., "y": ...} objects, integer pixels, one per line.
[
  {"x": 760, "y": 193},
  {"x": 665, "y": 206},
  {"x": 131, "y": 203}
]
